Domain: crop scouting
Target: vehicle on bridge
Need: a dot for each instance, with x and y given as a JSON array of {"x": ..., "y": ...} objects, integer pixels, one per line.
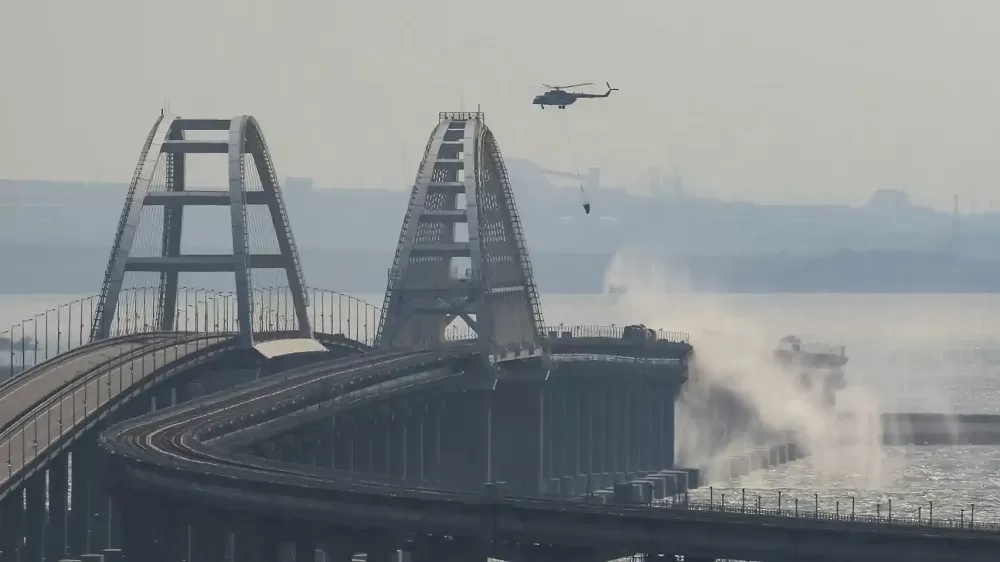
[{"x": 560, "y": 97}]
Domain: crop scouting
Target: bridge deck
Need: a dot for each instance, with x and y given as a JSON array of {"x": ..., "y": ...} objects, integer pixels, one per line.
[
  {"x": 33, "y": 386},
  {"x": 84, "y": 392},
  {"x": 247, "y": 484}
]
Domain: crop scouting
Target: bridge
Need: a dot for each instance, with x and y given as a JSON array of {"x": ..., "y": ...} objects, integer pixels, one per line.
[{"x": 274, "y": 420}]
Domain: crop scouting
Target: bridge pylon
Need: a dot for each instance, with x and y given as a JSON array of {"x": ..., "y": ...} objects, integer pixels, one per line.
[
  {"x": 158, "y": 195},
  {"x": 461, "y": 251}
]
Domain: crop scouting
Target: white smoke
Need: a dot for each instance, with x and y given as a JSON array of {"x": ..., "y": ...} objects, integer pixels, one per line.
[{"x": 733, "y": 353}]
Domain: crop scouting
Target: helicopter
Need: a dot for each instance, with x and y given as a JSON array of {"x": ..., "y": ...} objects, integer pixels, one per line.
[{"x": 559, "y": 97}]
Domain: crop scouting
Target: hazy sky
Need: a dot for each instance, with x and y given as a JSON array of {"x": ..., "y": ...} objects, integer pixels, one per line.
[{"x": 790, "y": 100}]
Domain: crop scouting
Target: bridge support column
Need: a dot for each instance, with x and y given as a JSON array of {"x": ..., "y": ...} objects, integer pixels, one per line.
[
  {"x": 346, "y": 431},
  {"x": 11, "y": 525},
  {"x": 657, "y": 395},
  {"x": 34, "y": 518},
  {"x": 399, "y": 454},
  {"x": 616, "y": 433},
  {"x": 79, "y": 531},
  {"x": 644, "y": 396},
  {"x": 414, "y": 437},
  {"x": 208, "y": 540},
  {"x": 435, "y": 548},
  {"x": 631, "y": 442},
  {"x": 258, "y": 541},
  {"x": 382, "y": 439},
  {"x": 376, "y": 442},
  {"x": 598, "y": 436},
  {"x": 517, "y": 447},
  {"x": 100, "y": 502},
  {"x": 379, "y": 552},
  {"x": 304, "y": 546},
  {"x": 339, "y": 550},
  {"x": 55, "y": 537},
  {"x": 668, "y": 402},
  {"x": 555, "y": 435},
  {"x": 573, "y": 436},
  {"x": 324, "y": 452},
  {"x": 151, "y": 533},
  {"x": 364, "y": 428},
  {"x": 432, "y": 439},
  {"x": 584, "y": 476},
  {"x": 550, "y": 480},
  {"x": 465, "y": 439}
]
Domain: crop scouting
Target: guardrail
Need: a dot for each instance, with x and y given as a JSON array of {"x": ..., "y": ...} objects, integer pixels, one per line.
[
  {"x": 55, "y": 331},
  {"x": 22, "y": 443},
  {"x": 739, "y": 507},
  {"x": 612, "y": 331},
  {"x": 66, "y": 327},
  {"x": 599, "y": 357}
]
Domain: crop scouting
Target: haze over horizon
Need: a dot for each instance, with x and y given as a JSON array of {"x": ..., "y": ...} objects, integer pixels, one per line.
[{"x": 772, "y": 101}]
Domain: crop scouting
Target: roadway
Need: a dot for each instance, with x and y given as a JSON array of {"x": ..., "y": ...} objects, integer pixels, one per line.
[
  {"x": 167, "y": 454},
  {"x": 34, "y": 385},
  {"x": 81, "y": 389}
]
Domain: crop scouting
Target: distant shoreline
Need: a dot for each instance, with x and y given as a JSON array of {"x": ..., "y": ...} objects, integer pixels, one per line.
[{"x": 45, "y": 269}]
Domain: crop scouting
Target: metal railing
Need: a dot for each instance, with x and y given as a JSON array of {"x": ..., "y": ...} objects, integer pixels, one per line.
[
  {"x": 567, "y": 357},
  {"x": 66, "y": 327},
  {"x": 459, "y": 115},
  {"x": 30, "y": 436},
  {"x": 791, "y": 510},
  {"x": 612, "y": 331}
]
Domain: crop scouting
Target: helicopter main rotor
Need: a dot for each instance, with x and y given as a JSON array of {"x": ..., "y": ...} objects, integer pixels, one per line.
[{"x": 567, "y": 87}]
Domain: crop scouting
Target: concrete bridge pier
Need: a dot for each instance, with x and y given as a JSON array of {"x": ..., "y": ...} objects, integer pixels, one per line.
[
  {"x": 598, "y": 436},
  {"x": 208, "y": 538},
  {"x": 55, "y": 536},
  {"x": 152, "y": 534},
  {"x": 79, "y": 528},
  {"x": 432, "y": 438},
  {"x": 257, "y": 541},
  {"x": 304, "y": 544},
  {"x": 558, "y": 553},
  {"x": 377, "y": 546},
  {"x": 414, "y": 443},
  {"x": 585, "y": 436},
  {"x": 337, "y": 548},
  {"x": 468, "y": 453},
  {"x": 364, "y": 443},
  {"x": 11, "y": 524},
  {"x": 101, "y": 518},
  {"x": 399, "y": 439},
  {"x": 518, "y": 435},
  {"x": 93, "y": 522},
  {"x": 563, "y": 434},
  {"x": 435, "y": 548},
  {"x": 35, "y": 517},
  {"x": 612, "y": 436}
]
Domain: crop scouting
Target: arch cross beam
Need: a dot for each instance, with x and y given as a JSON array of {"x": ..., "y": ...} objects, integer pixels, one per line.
[
  {"x": 164, "y": 155},
  {"x": 461, "y": 250}
]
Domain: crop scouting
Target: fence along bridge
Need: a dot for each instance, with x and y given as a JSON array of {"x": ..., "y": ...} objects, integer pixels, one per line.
[{"x": 145, "y": 342}]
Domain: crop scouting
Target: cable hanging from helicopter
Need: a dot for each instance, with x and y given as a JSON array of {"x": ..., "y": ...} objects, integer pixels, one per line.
[
  {"x": 559, "y": 97},
  {"x": 576, "y": 166}
]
